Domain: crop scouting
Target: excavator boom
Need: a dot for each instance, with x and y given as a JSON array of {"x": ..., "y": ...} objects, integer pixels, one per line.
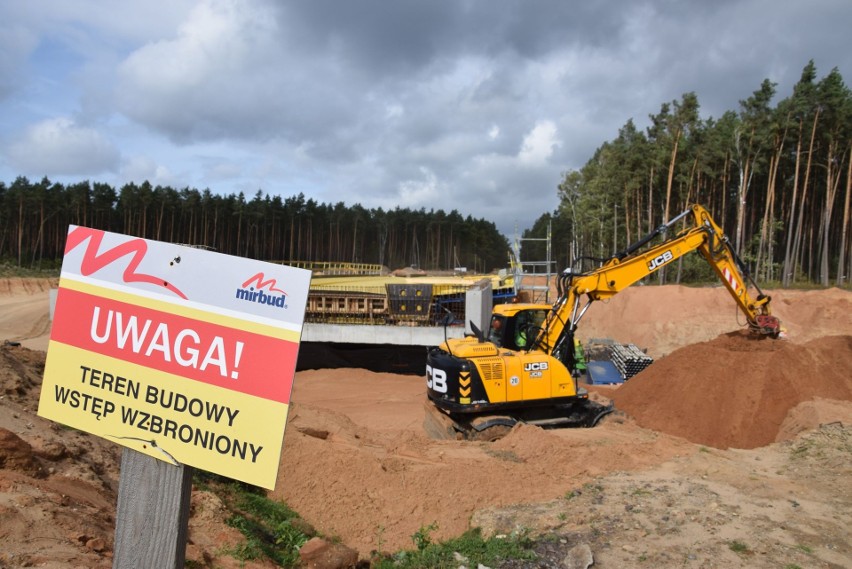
[{"x": 629, "y": 267}]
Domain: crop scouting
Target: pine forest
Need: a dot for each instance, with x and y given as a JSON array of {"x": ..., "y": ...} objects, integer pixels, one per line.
[
  {"x": 35, "y": 219},
  {"x": 777, "y": 176}
]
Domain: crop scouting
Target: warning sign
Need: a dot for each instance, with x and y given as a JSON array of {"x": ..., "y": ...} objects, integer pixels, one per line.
[{"x": 180, "y": 353}]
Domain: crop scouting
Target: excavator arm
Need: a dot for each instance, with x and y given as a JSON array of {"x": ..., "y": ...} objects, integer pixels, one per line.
[{"x": 630, "y": 266}]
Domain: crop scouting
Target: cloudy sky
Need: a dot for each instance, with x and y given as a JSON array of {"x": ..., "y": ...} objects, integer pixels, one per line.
[{"x": 474, "y": 105}]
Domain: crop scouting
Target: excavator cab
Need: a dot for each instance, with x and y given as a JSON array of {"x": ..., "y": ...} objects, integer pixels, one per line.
[{"x": 515, "y": 326}]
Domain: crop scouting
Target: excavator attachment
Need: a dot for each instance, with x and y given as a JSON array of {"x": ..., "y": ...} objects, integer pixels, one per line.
[{"x": 768, "y": 325}]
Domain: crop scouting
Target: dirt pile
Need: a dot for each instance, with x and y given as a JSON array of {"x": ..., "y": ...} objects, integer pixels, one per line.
[
  {"x": 662, "y": 319},
  {"x": 357, "y": 464},
  {"x": 57, "y": 486},
  {"x": 17, "y": 454},
  {"x": 737, "y": 390}
]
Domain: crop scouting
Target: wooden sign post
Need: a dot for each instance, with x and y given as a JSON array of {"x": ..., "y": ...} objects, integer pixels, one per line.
[{"x": 152, "y": 516}]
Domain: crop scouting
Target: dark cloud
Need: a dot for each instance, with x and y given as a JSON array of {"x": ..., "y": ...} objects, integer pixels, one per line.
[{"x": 469, "y": 105}]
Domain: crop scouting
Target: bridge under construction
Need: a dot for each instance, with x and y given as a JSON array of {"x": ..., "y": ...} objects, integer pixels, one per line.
[{"x": 363, "y": 316}]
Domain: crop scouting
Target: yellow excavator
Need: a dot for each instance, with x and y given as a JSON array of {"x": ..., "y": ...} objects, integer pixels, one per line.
[{"x": 525, "y": 368}]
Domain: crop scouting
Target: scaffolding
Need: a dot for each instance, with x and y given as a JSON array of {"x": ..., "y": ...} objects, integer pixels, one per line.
[{"x": 528, "y": 288}]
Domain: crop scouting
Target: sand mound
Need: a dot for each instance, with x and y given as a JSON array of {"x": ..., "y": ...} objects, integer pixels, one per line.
[
  {"x": 664, "y": 318},
  {"x": 810, "y": 415},
  {"x": 736, "y": 390},
  {"x": 17, "y": 454}
]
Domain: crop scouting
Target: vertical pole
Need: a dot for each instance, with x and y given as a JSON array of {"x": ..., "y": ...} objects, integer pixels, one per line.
[{"x": 152, "y": 516}]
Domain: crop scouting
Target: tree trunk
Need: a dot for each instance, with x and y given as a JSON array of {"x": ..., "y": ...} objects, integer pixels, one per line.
[
  {"x": 840, "y": 280},
  {"x": 669, "y": 181},
  {"x": 724, "y": 213},
  {"x": 787, "y": 277},
  {"x": 798, "y": 239},
  {"x": 832, "y": 181}
]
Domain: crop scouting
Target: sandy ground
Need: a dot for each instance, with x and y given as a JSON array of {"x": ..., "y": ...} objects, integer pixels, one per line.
[{"x": 728, "y": 452}]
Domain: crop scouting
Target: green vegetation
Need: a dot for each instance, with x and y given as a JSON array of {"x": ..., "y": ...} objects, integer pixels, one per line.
[
  {"x": 268, "y": 526},
  {"x": 34, "y": 220},
  {"x": 272, "y": 531},
  {"x": 775, "y": 177},
  {"x": 738, "y": 547},
  {"x": 48, "y": 270},
  {"x": 422, "y": 538},
  {"x": 471, "y": 545}
]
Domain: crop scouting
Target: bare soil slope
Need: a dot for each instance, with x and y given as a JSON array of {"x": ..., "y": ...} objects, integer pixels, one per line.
[{"x": 674, "y": 482}]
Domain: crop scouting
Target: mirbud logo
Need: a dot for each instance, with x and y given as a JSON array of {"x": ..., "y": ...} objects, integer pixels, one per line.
[{"x": 252, "y": 291}]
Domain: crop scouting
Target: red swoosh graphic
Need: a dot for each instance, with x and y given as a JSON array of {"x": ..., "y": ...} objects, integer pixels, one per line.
[
  {"x": 260, "y": 283},
  {"x": 93, "y": 262}
]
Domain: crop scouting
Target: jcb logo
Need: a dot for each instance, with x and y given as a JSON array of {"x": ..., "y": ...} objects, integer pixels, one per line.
[
  {"x": 436, "y": 379},
  {"x": 660, "y": 260},
  {"x": 535, "y": 366}
]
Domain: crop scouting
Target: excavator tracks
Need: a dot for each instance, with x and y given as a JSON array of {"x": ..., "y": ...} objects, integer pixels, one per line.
[{"x": 440, "y": 425}]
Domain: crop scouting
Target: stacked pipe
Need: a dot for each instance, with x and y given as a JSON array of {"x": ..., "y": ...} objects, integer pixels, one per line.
[{"x": 628, "y": 359}]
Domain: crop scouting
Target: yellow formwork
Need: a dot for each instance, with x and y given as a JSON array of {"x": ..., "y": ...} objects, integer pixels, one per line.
[{"x": 388, "y": 299}]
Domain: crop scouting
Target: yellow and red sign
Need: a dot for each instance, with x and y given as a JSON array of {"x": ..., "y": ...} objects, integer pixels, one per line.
[{"x": 180, "y": 353}]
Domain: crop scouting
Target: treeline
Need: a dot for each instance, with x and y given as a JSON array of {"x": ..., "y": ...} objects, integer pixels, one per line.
[
  {"x": 777, "y": 178},
  {"x": 34, "y": 220}
]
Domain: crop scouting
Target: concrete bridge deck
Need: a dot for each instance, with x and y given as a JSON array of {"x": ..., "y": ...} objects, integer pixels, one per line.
[{"x": 365, "y": 334}]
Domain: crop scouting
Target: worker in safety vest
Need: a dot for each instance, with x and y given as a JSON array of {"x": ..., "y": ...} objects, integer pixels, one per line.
[
  {"x": 579, "y": 357},
  {"x": 521, "y": 331}
]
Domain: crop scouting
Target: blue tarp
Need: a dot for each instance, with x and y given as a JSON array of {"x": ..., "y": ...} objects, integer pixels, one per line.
[{"x": 603, "y": 373}]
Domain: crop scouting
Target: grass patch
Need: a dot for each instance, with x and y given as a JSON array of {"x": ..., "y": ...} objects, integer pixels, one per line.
[
  {"x": 471, "y": 545},
  {"x": 267, "y": 525},
  {"x": 48, "y": 269},
  {"x": 738, "y": 547}
]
